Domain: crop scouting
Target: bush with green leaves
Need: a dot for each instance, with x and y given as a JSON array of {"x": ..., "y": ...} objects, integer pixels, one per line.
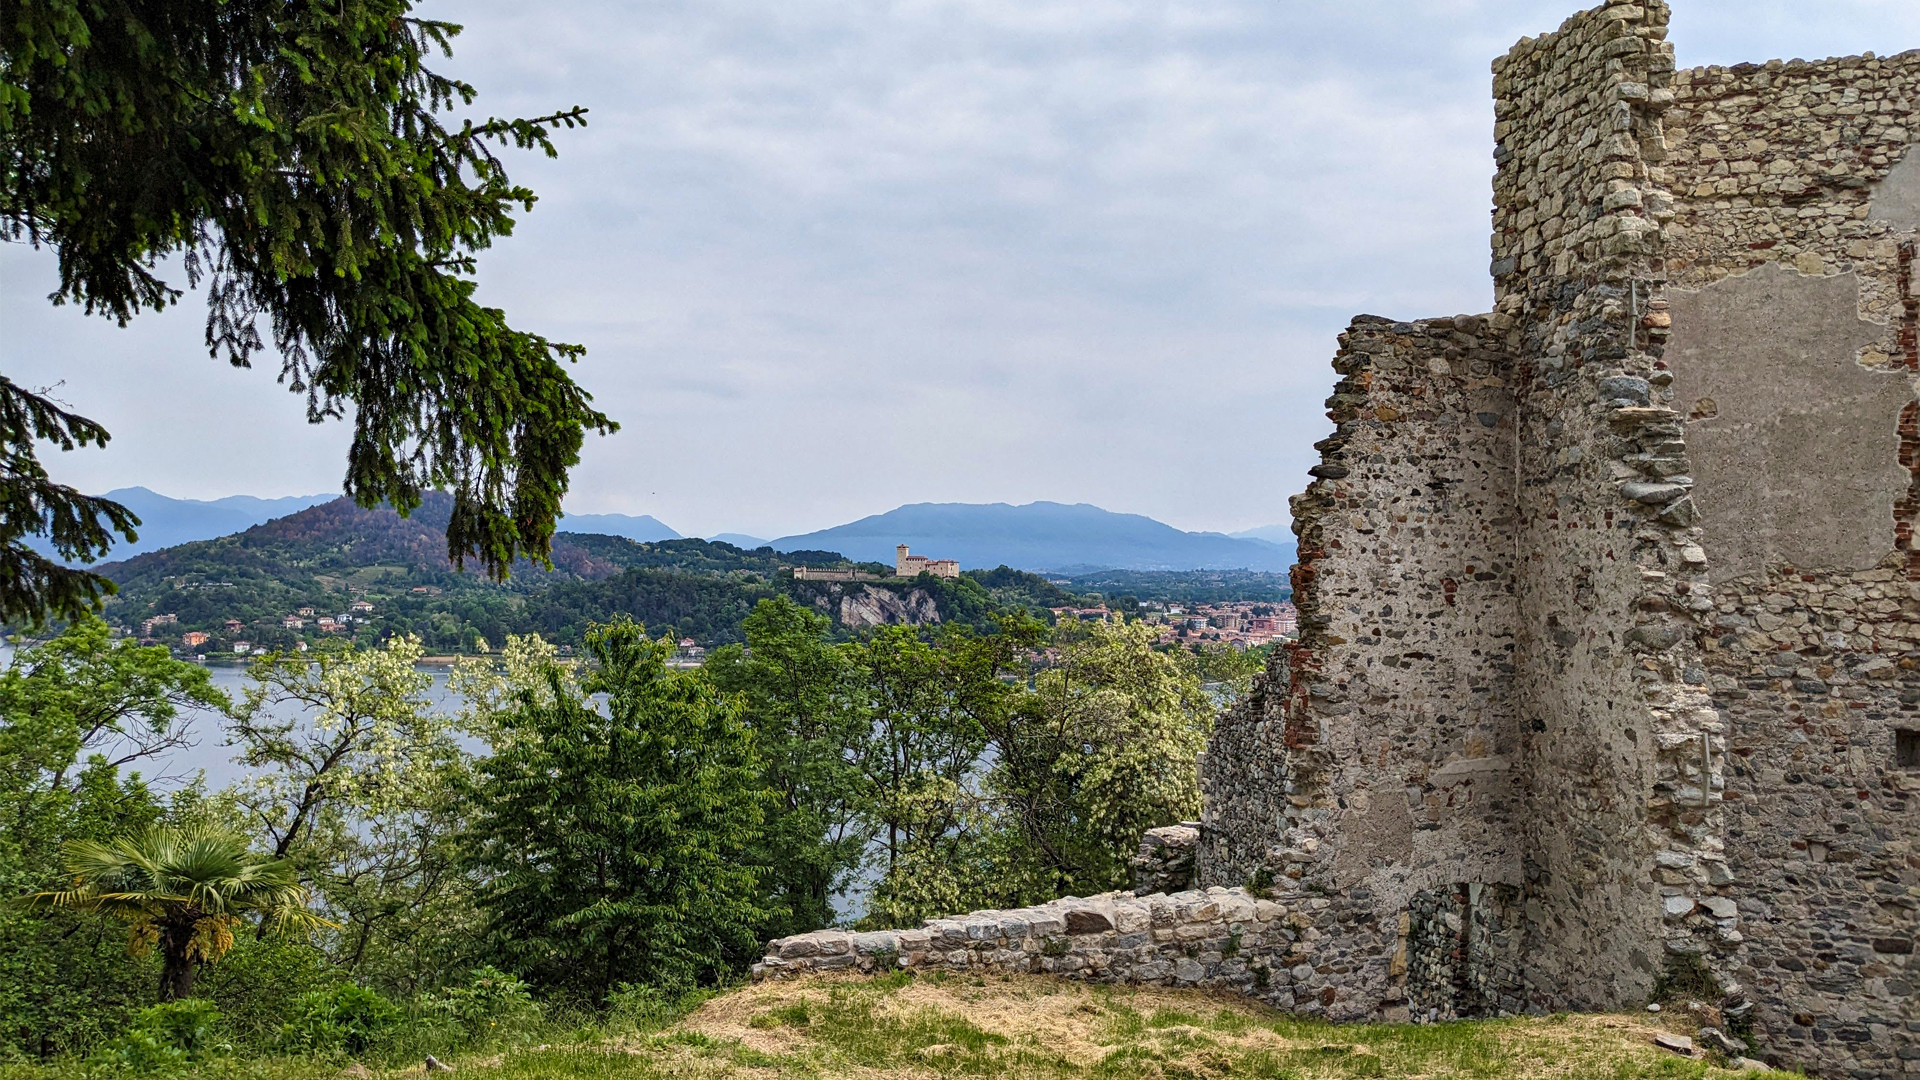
[
  {"x": 165, "y": 1037},
  {"x": 492, "y": 1003},
  {"x": 346, "y": 1018}
]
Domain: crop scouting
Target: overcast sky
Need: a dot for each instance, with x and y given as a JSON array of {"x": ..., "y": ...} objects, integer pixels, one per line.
[{"x": 830, "y": 256}]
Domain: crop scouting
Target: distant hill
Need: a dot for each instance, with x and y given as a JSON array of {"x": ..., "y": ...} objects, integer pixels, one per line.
[
  {"x": 1042, "y": 536},
  {"x": 252, "y": 586},
  {"x": 646, "y": 528},
  {"x": 165, "y": 521},
  {"x": 739, "y": 540},
  {"x": 1272, "y": 534}
]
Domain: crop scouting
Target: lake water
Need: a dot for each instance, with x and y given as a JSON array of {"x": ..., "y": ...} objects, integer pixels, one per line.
[{"x": 207, "y": 755}]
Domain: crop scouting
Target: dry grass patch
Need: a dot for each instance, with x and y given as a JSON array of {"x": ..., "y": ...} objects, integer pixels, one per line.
[{"x": 1011, "y": 1026}]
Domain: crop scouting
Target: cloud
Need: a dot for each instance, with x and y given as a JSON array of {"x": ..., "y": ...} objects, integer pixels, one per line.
[{"x": 832, "y": 257}]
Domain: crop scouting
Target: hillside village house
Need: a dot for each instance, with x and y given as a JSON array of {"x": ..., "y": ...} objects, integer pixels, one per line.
[
  {"x": 906, "y": 565},
  {"x": 361, "y": 607}
]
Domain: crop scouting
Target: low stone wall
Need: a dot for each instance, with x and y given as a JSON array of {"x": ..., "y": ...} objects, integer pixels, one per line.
[{"x": 1216, "y": 938}]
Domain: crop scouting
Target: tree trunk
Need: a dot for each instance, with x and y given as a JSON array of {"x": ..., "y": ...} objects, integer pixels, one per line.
[{"x": 176, "y": 970}]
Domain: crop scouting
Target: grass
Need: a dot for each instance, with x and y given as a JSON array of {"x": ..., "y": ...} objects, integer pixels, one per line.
[{"x": 1016, "y": 1028}]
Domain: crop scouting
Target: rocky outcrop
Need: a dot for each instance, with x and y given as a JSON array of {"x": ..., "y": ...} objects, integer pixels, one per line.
[{"x": 858, "y": 606}]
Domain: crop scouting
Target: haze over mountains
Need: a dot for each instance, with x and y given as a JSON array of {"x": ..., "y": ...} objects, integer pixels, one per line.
[
  {"x": 1041, "y": 536},
  {"x": 645, "y": 529},
  {"x": 166, "y": 522}
]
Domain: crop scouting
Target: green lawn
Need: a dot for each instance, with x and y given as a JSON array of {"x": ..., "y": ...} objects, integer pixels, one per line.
[{"x": 1010, "y": 1028}]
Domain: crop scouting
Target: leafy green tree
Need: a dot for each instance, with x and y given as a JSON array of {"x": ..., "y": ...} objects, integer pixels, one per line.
[
  {"x": 359, "y": 780},
  {"x": 1038, "y": 790},
  {"x": 1228, "y": 670},
  {"x": 616, "y": 844},
  {"x": 1109, "y": 749},
  {"x": 75, "y": 713},
  {"x": 184, "y": 890},
  {"x": 301, "y": 160},
  {"x": 84, "y": 693},
  {"x": 933, "y": 707},
  {"x": 795, "y": 686}
]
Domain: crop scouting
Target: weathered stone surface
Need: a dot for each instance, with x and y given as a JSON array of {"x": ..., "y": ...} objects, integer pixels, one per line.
[
  {"x": 1896, "y": 196},
  {"x": 1802, "y": 449},
  {"x": 1216, "y": 937},
  {"x": 1166, "y": 859},
  {"x": 1679, "y": 1044},
  {"x": 1088, "y": 922},
  {"x": 1687, "y": 535}
]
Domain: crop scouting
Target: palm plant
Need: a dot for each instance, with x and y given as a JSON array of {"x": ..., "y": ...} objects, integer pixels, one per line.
[{"x": 185, "y": 890}]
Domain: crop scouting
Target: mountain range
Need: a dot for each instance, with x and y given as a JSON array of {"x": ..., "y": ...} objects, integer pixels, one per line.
[
  {"x": 1041, "y": 536},
  {"x": 166, "y": 522},
  {"x": 645, "y": 528}
]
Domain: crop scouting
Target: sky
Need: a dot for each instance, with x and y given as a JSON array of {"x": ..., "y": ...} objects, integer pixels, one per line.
[{"x": 832, "y": 256}]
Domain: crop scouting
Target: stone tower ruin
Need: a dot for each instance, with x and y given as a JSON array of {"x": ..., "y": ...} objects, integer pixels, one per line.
[
  {"x": 1608, "y": 678},
  {"x": 1609, "y": 669}
]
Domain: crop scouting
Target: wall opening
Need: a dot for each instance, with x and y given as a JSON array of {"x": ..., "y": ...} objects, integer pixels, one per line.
[
  {"x": 1906, "y": 749},
  {"x": 1462, "y": 948}
]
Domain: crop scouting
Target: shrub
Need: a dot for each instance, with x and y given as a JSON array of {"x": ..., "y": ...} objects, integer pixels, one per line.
[
  {"x": 166, "y": 1037},
  {"x": 346, "y": 1017},
  {"x": 492, "y": 1003}
]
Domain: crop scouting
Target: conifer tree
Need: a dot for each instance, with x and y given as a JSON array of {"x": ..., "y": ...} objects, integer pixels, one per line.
[{"x": 298, "y": 160}]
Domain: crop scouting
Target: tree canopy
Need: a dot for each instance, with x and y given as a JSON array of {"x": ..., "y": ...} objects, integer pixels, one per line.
[{"x": 297, "y": 160}]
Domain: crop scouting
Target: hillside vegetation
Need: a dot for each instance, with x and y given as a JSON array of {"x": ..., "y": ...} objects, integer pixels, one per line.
[{"x": 327, "y": 557}]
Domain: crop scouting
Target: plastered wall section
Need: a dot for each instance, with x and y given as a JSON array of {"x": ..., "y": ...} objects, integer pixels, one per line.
[
  {"x": 1623, "y": 868},
  {"x": 1382, "y": 761},
  {"x": 1794, "y": 348}
]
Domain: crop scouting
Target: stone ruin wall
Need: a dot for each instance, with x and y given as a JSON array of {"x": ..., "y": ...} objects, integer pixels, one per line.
[
  {"x": 1621, "y": 752},
  {"x": 1794, "y": 312},
  {"x": 1397, "y": 735},
  {"x": 1224, "y": 938},
  {"x": 1530, "y": 681},
  {"x": 1610, "y": 601}
]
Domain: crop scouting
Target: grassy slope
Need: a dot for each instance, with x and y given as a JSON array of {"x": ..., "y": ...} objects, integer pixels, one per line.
[{"x": 1029, "y": 1027}]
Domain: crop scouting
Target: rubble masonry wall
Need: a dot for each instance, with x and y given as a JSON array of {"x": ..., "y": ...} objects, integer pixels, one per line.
[
  {"x": 1392, "y": 752},
  {"x": 1794, "y": 353},
  {"x": 1622, "y": 754}
]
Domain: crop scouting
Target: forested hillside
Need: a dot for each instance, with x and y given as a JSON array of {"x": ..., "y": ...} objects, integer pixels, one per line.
[{"x": 313, "y": 567}]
